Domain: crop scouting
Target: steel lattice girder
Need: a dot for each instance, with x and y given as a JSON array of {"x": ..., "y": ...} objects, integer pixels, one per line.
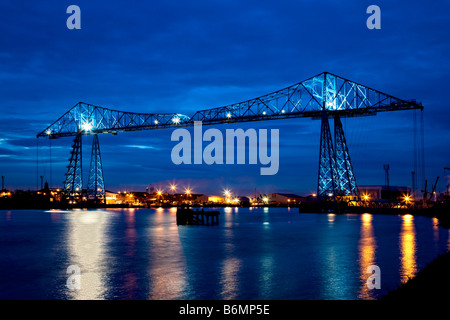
[
  {"x": 310, "y": 98},
  {"x": 336, "y": 177},
  {"x": 328, "y": 177},
  {"x": 96, "y": 184},
  {"x": 89, "y": 119},
  {"x": 73, "y": 185},
  {"x": 346, "y": 178}
]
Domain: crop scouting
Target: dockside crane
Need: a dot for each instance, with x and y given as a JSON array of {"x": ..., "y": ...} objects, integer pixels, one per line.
[{"x": 428, "y": 196}]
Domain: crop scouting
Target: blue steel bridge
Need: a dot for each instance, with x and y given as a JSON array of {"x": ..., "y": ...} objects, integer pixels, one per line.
[{"x": 325, "y": 96}]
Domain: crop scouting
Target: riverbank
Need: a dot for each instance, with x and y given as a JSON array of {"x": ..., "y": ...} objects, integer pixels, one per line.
[{"x": 430, "y": 284}]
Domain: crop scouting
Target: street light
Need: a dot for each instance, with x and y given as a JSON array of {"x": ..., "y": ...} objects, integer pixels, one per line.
[
  {"x": 407, "y": 198},
  {"x": 159, "y": 193},
  {"x": 173, "y": 187},
  {"x": 227, "y": 194},
  {"x": 188, "y": 193}
]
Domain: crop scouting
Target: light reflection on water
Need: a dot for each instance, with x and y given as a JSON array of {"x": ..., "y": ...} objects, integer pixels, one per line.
[
  {"x": 408, "y": 248},
  {"x": 367, "y": 248},
  {"x": 254, "y": 253},
  {"x": 230, "y": 268},
  {"x": 86, "y": 237},
  {"x": 166, "y": 270}
]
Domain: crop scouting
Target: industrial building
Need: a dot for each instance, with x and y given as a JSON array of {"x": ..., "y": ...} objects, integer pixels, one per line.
[
  {"x": 382, "y": 192},
  {"x": 285, "y": 198}
]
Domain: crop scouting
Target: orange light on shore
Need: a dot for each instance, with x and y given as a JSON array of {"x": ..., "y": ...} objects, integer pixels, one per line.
[
  {"x": 407, "y": 198},
  {"x": 227, "y": 194}
]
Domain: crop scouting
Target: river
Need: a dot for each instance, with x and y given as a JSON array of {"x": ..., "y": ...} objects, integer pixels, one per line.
[{"x": 254, "y": 253}]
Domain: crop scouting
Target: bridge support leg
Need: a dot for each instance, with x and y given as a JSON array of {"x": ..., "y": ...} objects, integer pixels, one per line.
[
  {"x": 96, "y": 184},
  {"x": 346, "y": 178},
  {"x": 336, "y": 177},
  {"x": 327, "y": 167},
  {"x": 73, "y": 185}
]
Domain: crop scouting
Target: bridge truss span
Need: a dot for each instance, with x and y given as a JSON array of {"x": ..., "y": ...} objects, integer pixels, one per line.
[{"x": 320, "y": 97}]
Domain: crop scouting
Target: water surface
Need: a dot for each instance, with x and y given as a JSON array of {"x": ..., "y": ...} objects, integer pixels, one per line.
[{"x": 254, "y": 253}]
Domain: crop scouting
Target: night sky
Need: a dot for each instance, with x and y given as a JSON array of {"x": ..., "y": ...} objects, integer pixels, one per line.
[{"x": 183, "y": 56}]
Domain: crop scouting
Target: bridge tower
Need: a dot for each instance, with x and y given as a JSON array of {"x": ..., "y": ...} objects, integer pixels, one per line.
[
  {"x": 336, "y": 177},
  {"x": 346, "y": 177},
  {"x": 96, "y": 184},
  {"x": 73, "y": 185},
  {"x": 327, "y": 184}
]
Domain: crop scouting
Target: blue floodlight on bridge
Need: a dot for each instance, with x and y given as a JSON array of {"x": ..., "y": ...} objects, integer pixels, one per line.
[{"x": 320, "y": 97}]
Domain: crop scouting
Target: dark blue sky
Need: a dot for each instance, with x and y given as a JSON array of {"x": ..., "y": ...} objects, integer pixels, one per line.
[{"x": 182, "y": 56}]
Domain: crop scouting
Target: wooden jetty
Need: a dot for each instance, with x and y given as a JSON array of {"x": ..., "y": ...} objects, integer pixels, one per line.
[{"x": 187, "y": 216}]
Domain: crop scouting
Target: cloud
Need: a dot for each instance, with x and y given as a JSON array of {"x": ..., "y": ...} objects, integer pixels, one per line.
[{"x": 140, "y": 147}]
